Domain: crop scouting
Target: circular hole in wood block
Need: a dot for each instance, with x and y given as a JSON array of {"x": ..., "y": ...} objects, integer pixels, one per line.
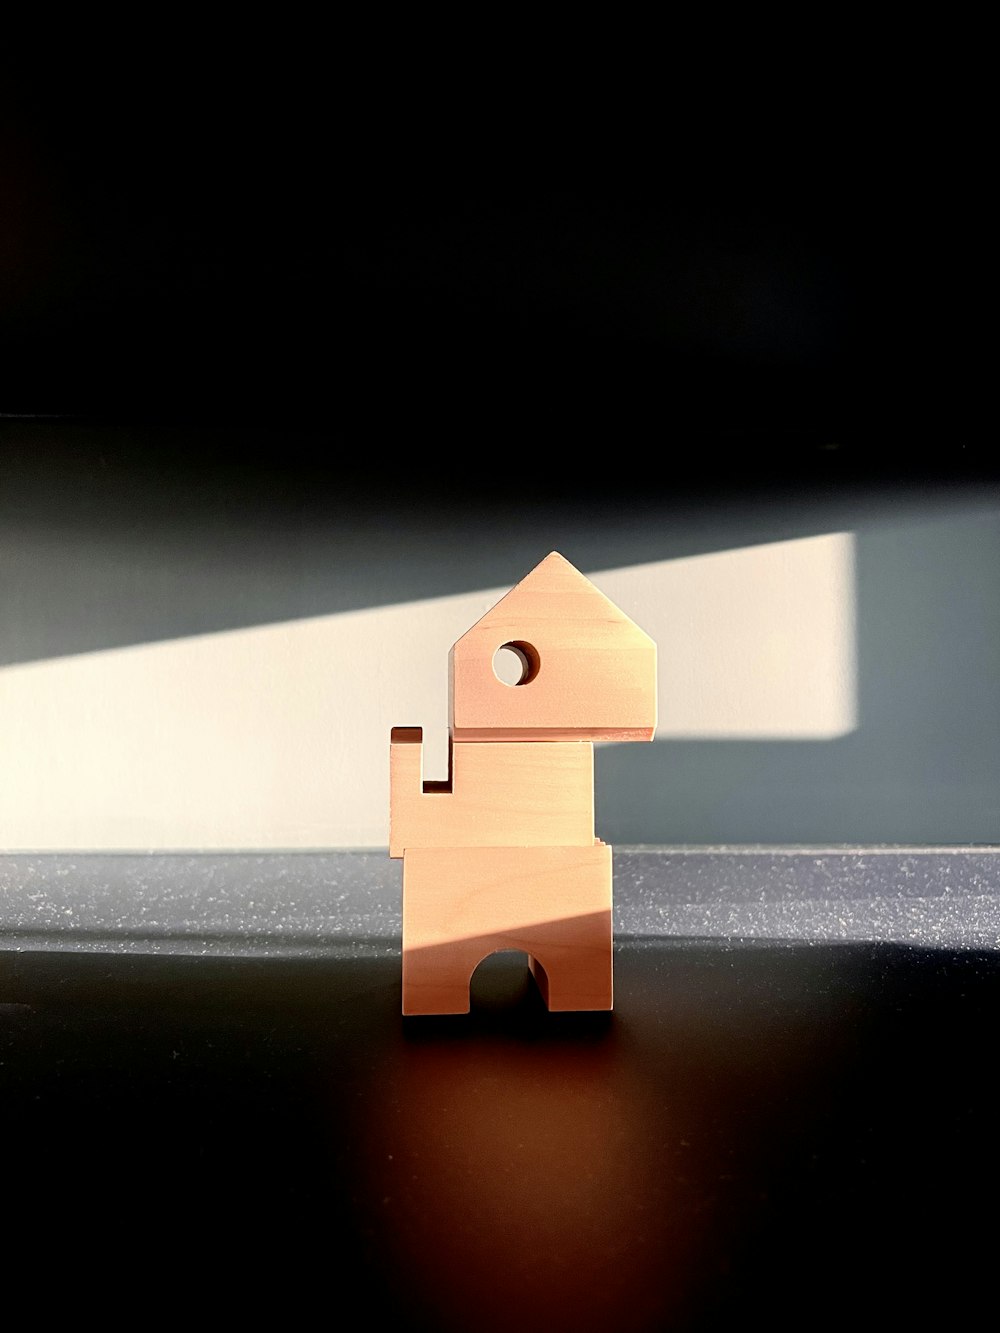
[{"x": 515, "y": 663}]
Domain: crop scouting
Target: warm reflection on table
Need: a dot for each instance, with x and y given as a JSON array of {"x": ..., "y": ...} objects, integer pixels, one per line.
[{"x": 765, "y": 1131}]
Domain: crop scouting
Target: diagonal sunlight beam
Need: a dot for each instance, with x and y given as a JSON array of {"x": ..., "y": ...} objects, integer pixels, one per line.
[
  {"x": 278, "y": 736},
  {"x": 757, "y": 643}
]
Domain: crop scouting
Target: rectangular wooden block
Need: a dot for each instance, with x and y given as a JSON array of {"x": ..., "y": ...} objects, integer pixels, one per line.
[
  {"x": 462, "y": 904},
  {"x": 507, "y": 794}
]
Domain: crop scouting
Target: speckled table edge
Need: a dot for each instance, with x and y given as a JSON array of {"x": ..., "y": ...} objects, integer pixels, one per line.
[{"x": 343, "y": 903}]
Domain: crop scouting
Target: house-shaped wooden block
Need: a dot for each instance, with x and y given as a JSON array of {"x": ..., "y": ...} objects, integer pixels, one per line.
[{"x": 590, "y": 670}]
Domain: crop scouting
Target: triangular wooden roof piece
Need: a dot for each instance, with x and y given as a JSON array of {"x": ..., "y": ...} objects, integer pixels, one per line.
[{"x": 555, "y": 577}]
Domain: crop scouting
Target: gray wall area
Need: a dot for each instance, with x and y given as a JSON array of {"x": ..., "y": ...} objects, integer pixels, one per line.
[
  {"x": 923, "y": 764},
  {"x": 152, "y": 614}
]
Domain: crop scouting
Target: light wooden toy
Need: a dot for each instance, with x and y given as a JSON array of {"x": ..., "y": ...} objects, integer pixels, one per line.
[{"x": 503, "y": 854}]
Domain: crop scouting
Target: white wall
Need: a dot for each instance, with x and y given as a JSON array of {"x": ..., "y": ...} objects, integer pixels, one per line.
[{"x": 277, "y": 735}]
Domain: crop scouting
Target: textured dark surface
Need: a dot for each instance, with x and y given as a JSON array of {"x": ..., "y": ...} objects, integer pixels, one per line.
[
  {"x": 343, "y": 902},
  {"x": 211, "y": 1106}
]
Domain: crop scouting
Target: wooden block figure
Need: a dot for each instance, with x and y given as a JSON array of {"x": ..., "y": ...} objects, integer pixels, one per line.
[{"x": 503, "y": 854}]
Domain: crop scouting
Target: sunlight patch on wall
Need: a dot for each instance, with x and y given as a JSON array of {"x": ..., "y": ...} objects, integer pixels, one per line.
[
  {"x": 278, "y": 736},
  {"x": 756, "y": 643}
]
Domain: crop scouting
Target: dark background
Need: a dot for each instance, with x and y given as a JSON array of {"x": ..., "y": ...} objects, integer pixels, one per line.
[{"x": 642, "y": 270}]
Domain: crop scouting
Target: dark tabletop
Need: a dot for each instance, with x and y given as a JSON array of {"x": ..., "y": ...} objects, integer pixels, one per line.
[{"x": 209, "y": 1097}]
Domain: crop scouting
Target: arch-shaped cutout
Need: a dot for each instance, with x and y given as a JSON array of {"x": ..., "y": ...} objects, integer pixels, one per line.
[{"x": 501, "y": 980}]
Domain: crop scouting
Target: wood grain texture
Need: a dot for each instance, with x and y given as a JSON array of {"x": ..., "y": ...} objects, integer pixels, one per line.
[
  {"x": 594, "y": 675},
  {"x": 503, "y": 854},
  {"x": 462, "y": 904},
  {"x": 504, "y": 794}
]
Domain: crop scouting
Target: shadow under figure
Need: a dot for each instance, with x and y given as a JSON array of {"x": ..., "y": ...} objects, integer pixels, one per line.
[{"x": 503, "y": 855}]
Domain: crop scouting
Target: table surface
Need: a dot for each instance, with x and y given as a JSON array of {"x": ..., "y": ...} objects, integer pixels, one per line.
[{"x": 209, "y": 1097}]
